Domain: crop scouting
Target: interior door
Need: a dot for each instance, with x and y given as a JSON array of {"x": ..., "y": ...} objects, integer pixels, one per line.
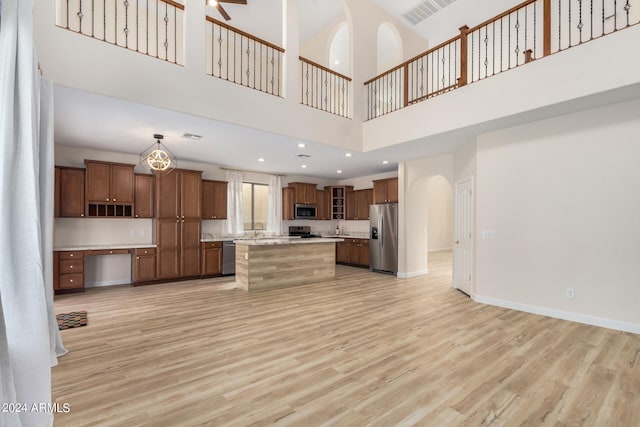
[{"x": 463, "y": 239}]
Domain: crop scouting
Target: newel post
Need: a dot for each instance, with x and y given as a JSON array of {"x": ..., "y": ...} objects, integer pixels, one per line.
[
  {"x": 546, "y": 30},
  {"x": 462, "y": 81}
]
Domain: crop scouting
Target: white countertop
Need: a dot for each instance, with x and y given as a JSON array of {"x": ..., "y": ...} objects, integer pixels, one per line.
[
  {"x": 233, "y": 239},
  {"x": 104, "y": 247},
  {"x": 285, "y": 241}
]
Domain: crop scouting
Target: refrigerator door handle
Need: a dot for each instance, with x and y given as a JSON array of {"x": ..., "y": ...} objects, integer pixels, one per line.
[{"x": 381, "y": 231}]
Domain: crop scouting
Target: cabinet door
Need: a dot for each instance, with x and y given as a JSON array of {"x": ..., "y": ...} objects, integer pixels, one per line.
[
  {"x": 380, "y": 191},
  {"x": 145, "y": 268},
  {"x": 167, "y": 194},
  {"x": 364, "y": 198},
  {"x": 287, "y": 203},
  {"x": 190, "y": 247},
  {"x": 321, "y": 206},
  {"x": 71, "y": 192},
  {"x": 220, "y": 200},
  {"x": 212, "y": 261},
  {"x": 98, "y": 182},
  {"x": 363, "y": 253},
  {"x": 190, "y": 194},
  {"x": 392, "y": 190},
  {"x": 208, "y": 190},
  {"x": 350, "y": 201},
  {"x": 122, "y": 185},
  {"x": 143, "y": 202},
  {"x": 56, "y": 192},
  {"x": 168, "y": 250},
  {"x": 342, "y": 252},
  {"x": 310, "y": 191}
]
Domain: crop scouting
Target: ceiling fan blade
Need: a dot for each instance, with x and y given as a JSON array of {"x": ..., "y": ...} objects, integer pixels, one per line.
[
  {"x": 234, "y": 1},
  {"x": 223, "y": 12}
]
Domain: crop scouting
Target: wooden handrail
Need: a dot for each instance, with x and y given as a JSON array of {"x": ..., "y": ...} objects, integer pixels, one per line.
[
  {"x": 408, "y": 61},
  {"x": 503, "y": 14},
  {"x": 243, "y": 33},
  {"x": 315, "y": 64},
  {"x": 174, "y": 4}
]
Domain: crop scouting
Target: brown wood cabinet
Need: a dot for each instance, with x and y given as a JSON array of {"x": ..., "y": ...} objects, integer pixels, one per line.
[
  {"x": 337, "y": 201},
  {"x": 69, "y": 192},
  {"x": 304, "y": 193},
  {"x": 109, "y": 182},
  {"x": 143, "y": 196},
  {"x": 357, "y": 204},
  {"x": 288, "y": 204},
  {"x": 214, "y": 199},
  {"x": 144, "y": 265},
  {"x": 353, "y": 252},
  {"x": 211, "y": 253},
  {"x": 178, "y": 194},
  {"x": 322, "y": 205},
  {"x": 350, "y": 203},
  {"x": 385, "y": 191},
  {"x": 69, "y": 271}
]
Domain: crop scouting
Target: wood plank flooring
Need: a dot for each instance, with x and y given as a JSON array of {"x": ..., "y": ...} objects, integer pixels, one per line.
[{"x": 363, "y": 349}]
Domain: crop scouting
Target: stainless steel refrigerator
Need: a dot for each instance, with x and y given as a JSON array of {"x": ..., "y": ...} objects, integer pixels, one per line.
[{"x": 383, "y": 243}]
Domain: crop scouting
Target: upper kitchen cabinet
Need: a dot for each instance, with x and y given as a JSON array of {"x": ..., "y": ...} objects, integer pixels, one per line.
[
  {"x": 337, "y": 201},
  {"x": 214, "y": 199},
  {"x": 143, "y": 196},
  {"x": 109, "y": 182},
  {"x": 358, "y": 203},
  {"x": 385, "y": 191},
  {"x": 304, "y": 193},
  {"x": 287, "y": 203},
  {"x": 69, "y": 192},
  {"x": 322, "y": 204},
  {"x": 178, "y": 194}
]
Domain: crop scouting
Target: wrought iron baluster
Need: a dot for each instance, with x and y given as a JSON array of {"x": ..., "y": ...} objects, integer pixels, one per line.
[
  {"x": 227, "y": 46},
  {"x": 486, "y": 51},
  {"x": 166, "y": 31},
  {"x": 473, "y": 37},
  {"x": 517, "y": 26},
  {"x": 501, "y": 42},
  {"x": 254, "y": 64},
  {"x": 67, "y": 23},
  {"x": 126, "y": 23},
  {"x": 104, "y": 19},
  {"x": 157, "y": 29},
  {"x": 560, "y": 24},
  {"x": 93, "y": 17},
  {"x": 509, "y": 44},
  {"x": 526, "y": 26},
  {"x": 175, "y": 34},
  {"x": 261, "y": 61},
  {"x": 147, "y": 29},
  {"x": 241, "y": 59},
  {"x": 580, "y": 25},
  {"x": 115, "y": 25},
  {"x": 627, "y": 8},
  {"x": 493, "y": 43},
  {"x": 535, "y": 30},
  {"x": 602, "y": 18},
  {"x": 80, "y": 15},
  {"x": 137, "y": 26},
  {"x": 615, "y": 15},
  {"x": 570, "y": 26},
  {"x": 591, "y": 19},
  {"x": 272, "y": 71}
]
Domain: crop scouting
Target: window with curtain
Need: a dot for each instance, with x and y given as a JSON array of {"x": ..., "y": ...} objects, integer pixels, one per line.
[{"x": 255, "y": 199}]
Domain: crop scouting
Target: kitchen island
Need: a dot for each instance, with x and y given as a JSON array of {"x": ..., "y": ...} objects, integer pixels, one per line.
[{"x": 263, "y": 264}]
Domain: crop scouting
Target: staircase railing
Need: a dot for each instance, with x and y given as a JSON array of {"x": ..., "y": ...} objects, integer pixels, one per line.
[
  {"x": 529, "y": 31},
  {"x": 150, "y": 27}
]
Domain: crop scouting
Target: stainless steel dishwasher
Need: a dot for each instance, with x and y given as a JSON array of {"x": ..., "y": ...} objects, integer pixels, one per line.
[{"x": 228, "y": 258}]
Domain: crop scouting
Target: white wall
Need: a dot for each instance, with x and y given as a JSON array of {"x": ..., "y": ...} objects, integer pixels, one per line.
[
  {"x": 562, "y": 197},
  {"x": 439, "y": 200}
]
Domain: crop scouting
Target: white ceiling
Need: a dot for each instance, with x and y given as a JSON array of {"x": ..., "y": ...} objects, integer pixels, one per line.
[{"x": 100, "y": 122}]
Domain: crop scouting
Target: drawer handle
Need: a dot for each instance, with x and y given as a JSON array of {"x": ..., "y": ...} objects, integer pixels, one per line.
[
  {"x": 110, "y": 252},
  {"x": 137, "y": 257},
  {"x": 146, "y": 252},
  {"x": 71, "y": 266},
  {"x": 71, "y": 280},
  {"x": 70, "y": 254}
]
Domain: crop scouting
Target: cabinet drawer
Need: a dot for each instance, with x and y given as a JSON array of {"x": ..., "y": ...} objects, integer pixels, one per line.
[
  {"x": 211, "y": 245},
  {"x": 71, "y": 281},
  {"x": 108, "y": 252},
  {"x": 144, "y": 251},
  {"x": 72, "y": 255},
  {"x": 71, "y": 266}
]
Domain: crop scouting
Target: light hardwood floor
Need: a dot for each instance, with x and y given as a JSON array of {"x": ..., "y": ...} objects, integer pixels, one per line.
[{"x": 363, "y": 349}]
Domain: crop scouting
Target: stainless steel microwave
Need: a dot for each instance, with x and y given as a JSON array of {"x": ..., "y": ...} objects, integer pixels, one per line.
[{"x": 305, "y": 211}]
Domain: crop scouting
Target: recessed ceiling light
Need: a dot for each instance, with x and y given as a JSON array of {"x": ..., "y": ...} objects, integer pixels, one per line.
[
  {"x": 302, "y": 145},
  {"x": 213, "y": 3},
  {"x": 303, "y": 166},
  {"x": 261, "y": 159},
  {"x": 336, "y": 62},
  {"x": 347, "y": 155},
  {"x": 338, "y": 171},
  {"x": 385, "y": 162}
]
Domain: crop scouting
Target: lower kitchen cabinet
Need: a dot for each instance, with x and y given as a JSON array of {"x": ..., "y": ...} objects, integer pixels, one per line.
[
  {"x": 68, "y": 271},
  {"x": 211, "y": 253},
  {"x": 353, "y": 252},
  {"x": 144, "y": 265},
  {"x": 178, "y": 252}
]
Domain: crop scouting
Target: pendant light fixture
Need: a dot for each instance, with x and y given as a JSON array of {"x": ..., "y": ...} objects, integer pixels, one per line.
[{"x": 158, "y": 157}]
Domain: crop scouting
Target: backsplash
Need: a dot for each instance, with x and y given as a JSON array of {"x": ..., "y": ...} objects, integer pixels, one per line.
[{"x": 102, "y": 231}]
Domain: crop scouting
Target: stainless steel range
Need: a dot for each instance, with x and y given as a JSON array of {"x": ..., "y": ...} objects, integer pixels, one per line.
[{"x": 303, "y": 231}]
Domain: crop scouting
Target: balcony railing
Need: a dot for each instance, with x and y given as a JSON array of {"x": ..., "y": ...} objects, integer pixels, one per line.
[
  {"x": 150, "y": 27},
  {"x": 526, "y": 32},
  {"x": 323, "y": 88},
  {"x": 242, "y": 58}
]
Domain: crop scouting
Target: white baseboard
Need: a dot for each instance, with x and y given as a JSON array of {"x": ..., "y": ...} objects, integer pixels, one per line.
[
  {"x": 413, "y": 274},
  {"x": 561, "y": 314},
  {"x": 446, "y": 249},
  {"x": 107, "y": 283}
]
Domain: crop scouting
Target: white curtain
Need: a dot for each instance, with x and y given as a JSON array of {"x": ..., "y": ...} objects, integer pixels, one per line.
[
  {"x": 274, "y": 207},
  {"x": 28, "y": 336},
  {"x": 235, "y": 220}
]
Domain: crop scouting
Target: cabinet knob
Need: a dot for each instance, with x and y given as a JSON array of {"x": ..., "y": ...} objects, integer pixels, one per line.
[
  {"x": 136, "y": 215},
  {"x": 114, "y": 200},
  {"x": 71, "y": 266},
  {"x": 137, "y": 257},
  {"x": 70, "y": 254},
  {"x": 71, "y": 280},
  {"x": 110, "y": 252},
  {"x": 81, "y": 214},
  {"x": 146, "y": 252}
]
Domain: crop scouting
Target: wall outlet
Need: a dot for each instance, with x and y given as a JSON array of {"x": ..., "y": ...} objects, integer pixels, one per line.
[{"x": 570, "y": 293}]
